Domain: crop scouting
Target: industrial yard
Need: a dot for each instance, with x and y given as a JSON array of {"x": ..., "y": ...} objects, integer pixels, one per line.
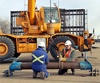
[
  {"x": 60, "y": 31},
  {"x": 81, "y": 76}
]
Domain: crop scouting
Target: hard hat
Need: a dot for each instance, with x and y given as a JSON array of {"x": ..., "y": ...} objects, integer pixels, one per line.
[
  {"x": 68, "y": 42},
  {"x": 42, "y": 44}
]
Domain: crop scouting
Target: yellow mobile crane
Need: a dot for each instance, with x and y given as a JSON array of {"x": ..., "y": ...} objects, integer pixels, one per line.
[{"x": 41, "y": 25}]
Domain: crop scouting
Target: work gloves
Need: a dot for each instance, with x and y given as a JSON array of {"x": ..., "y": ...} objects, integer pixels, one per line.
[{"x": 63, "y": 59}]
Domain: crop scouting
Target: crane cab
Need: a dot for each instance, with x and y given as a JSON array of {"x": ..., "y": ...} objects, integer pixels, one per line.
[{"x": 50, "y": 19}]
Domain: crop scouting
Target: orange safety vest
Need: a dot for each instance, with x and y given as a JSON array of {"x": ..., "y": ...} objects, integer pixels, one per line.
[{"x": 67, "y": 54}]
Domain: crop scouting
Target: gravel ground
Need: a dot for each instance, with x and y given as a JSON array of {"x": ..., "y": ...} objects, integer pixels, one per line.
[{"x": 81, "y": 76}]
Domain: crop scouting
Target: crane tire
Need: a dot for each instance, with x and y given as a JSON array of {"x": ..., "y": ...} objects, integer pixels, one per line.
[
  {"x": 7, "y": 48},
  {"x": 57, "y": 40}
]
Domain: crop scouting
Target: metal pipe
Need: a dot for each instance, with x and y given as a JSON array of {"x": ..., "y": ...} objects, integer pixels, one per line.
[
  {"x": 55, "y": 65},
  {"x": 30, "y": 60},
  {"x": 83, "y": 65}
]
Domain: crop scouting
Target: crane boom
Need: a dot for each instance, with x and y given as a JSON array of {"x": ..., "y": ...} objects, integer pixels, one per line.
[{"x": 31, "y": 10}]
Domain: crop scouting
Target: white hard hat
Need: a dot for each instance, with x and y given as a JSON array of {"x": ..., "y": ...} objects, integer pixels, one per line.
[
  {"x": 68, "y": 42},
  {"x": 42, "y": 44}
]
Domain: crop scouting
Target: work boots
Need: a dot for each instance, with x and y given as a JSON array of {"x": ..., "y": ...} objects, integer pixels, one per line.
[
  {"x": 73, "y": 71},
  {"x": 42, "y": 76},
  {"x": 34, "y": 74}
]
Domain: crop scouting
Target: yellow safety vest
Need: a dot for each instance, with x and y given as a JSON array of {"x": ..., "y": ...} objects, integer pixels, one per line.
[{"x": 38, "y": 58}]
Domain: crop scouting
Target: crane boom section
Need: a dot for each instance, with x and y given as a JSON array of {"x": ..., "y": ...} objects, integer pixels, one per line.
[{"x": 31, "y": 10}]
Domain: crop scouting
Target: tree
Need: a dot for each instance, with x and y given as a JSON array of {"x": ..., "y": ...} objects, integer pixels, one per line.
[{"x": 5, "y": 25}]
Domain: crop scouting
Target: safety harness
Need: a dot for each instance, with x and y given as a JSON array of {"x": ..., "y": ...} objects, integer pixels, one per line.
[
  {"x": 67, "y": 54},
  {"x": 38, "y": 58}
]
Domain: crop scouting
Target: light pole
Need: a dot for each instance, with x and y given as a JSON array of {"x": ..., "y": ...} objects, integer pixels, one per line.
[
  {"x": 58, "y": 3},
  {"x": 50, "y": 3}
]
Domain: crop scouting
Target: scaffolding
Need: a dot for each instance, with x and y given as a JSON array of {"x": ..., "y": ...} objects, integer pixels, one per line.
[{"x": 73, "y": 21}]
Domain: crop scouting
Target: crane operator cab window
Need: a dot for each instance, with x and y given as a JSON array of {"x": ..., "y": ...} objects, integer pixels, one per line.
[{"x": 51, "y": 15}]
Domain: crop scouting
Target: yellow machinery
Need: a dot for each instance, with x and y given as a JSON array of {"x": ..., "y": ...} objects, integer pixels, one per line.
[{"x": 40, "y": 25}]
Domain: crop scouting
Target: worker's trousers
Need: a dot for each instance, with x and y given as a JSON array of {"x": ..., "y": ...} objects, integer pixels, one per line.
[
  {"x": 62, "y": 71},
  {"x": 40, "y": 68}
]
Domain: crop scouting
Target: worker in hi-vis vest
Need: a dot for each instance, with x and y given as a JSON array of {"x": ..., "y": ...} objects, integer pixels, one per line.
[
  {"x": 68, "y": 55},
  {"x": 39, "y": 61}
]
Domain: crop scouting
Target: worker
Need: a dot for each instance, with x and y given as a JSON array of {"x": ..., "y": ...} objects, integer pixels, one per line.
[
  {"x": 40, "y": 61},
  {"x": 67, "y": 55}
]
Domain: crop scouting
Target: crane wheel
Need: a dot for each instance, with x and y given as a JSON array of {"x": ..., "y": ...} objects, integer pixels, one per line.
[
  {"x": 59, "y": 41},
  {"x": 7, "y": 48}
]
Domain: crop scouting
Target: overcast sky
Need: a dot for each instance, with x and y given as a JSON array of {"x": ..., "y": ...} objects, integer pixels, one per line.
[{"x": 92, "y": 6}]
